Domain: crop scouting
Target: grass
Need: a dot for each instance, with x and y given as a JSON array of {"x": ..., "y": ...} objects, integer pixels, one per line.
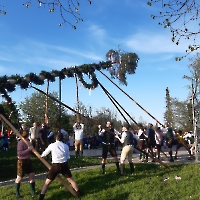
[
  {"x": 150, "y": 182},
  {"x": 8, "y": 163}
]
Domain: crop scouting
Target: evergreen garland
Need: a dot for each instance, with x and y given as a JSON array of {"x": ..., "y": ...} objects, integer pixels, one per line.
[{"x": 8, "y": 84}]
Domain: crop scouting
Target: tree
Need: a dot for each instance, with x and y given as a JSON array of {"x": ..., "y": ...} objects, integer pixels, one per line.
[
  {"x": 194, "y": 78},
  {"x": 33, "y": 109},
  {"x": 169, "y": 115},
  {"x": 182, "y": 18},
  {"x": 142, "y": 121},
  {"x": 65, "y": 122},
  {"x": 10, "y": 111},
  {"x": 181, "y": 112},
  {"x": 66, "y": 9}
]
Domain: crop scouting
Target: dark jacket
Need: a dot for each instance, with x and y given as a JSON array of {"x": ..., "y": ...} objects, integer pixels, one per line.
[
  {"x": 108, "y": 136},
  {"x": 129, "y": 139}
]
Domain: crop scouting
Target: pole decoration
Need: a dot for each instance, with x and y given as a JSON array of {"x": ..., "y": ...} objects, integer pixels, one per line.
[
  {"x": 8, "y": 84},
  {"x": 122, "y": 64}
]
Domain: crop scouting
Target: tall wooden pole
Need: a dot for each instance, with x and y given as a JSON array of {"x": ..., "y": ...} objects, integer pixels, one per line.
[
  {"x": 47, "y": 104},
  {"x": 67, "y": 186},
  {"x": 77, "y": 101},
  {"x": 95, "y": 122},
  {"x": 130, "y": 98},
  {"x": 59, "y": 104}
]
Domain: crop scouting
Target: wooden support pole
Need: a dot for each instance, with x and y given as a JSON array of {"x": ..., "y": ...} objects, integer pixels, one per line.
[{"x": 67, "y": 186}]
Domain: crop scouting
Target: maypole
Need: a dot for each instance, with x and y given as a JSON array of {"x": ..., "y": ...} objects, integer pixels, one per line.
[
  {"x": 77, "y": 100},
  {"x": 115, "y": 102},
  {"x": 59, "y": 104},
  {"x": 75, "y": 111},
  {"x": 131, "y": 98},
  {"x": 149, "y": 153},
  {"x": 46, "y": 118}
]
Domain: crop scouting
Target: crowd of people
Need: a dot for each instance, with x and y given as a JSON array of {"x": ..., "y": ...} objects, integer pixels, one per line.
[
  {"x": 152, "y": 139},
  {"x": 148, "y": 140}
]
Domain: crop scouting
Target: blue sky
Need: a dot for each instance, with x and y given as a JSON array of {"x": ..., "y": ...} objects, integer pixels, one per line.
[{"x": 32, "y": 41}]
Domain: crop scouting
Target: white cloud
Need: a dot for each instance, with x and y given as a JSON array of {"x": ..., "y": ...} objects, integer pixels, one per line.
[
  {"x": 6, "y": 58},
  {"x": 154, "y": 42},
  {"x": 84, "y": 54},
  {"x": 42, "y": 54},
  {"x": 98, "y": 33}
]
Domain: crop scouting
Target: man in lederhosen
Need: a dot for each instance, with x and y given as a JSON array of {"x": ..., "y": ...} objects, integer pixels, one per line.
[
  {"x": 170, "y": 139},
  {"x": 108, "y": 144},
  {"x": 127, "y": 141},
  {"x": 141, "y": 143}
]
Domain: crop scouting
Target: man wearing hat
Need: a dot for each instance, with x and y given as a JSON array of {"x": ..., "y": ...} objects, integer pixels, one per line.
[{"x": 127, "y": 141}]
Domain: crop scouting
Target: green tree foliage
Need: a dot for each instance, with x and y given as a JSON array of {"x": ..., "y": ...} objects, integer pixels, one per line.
[
  {"x": 194, "y": 90},
  {"x": 33, "y": 109},
  {"x": 169, "y": 115},
  {"x": 65, "y": 123},
  {"x": 181, "y": 112},
  {"x": 10, "y": 112}
]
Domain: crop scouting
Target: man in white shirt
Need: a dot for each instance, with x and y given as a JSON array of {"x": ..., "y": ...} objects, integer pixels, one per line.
[
  {"x": 78, "y": 132},
  {"x": 60, "y": 155},
  {"x": 34, "y": 135}
]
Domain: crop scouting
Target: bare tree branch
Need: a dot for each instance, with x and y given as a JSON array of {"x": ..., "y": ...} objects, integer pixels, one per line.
[
  {"x": 66, "y": 8},
  {"x": 2, "y": 10},
  {"x": 182, "y": 17}
]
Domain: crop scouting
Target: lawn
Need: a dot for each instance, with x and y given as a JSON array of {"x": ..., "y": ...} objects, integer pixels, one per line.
[{"x": 150, "y": 182}]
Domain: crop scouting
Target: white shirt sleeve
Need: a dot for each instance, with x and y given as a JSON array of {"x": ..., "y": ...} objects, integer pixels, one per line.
[
  {"x": 101, "y": 132},
  {"x": 46, "y": 151},
  {"x": 117, "y": 132},
  {"x": 123, "y": 137}
]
